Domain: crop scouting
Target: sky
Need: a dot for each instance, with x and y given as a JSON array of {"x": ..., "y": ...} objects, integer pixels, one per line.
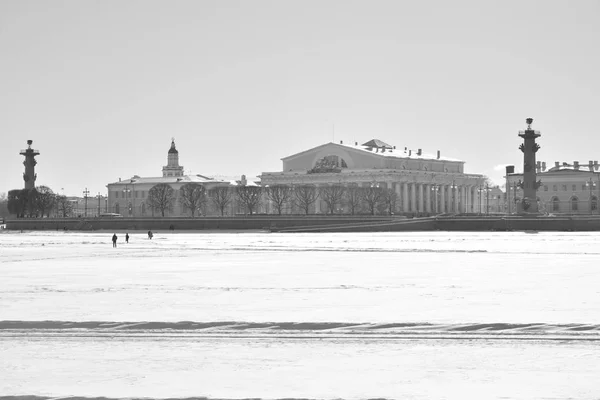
[{"x": 101, "y": 87}]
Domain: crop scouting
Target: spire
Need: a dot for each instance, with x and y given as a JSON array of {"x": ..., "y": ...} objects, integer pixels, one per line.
[
  {"x": 173, "y": 149},
  {"x": 172, "y": 168}
]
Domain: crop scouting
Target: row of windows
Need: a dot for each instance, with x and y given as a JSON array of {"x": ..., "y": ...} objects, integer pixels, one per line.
[
  {"x": 573, "y": 203},
  {"x": 135, "y": 193},
  {"x": 564, "y": 188}
]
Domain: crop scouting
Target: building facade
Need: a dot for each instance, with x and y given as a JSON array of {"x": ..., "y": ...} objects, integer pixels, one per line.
[
  {"x": 425, "y": 184},
  {"x": 566, "y": 188},
  {"x": 129, "y": 197}
]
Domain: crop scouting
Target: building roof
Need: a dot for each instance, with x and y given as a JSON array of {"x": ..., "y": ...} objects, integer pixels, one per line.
[
  {"x": 406, "y": 153},
  {"x": 220, "y": 179},
  {"x": 169, "y": 179},
  {"x": 377, "y": 143},
  {"x": 383, "y": 152}
]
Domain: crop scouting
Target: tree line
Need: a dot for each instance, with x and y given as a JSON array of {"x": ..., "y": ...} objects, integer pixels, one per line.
[
  {"x": 353, "y": 198},
  {"x": 37, "y": 202},
  {"x": 193, "y": 197}
]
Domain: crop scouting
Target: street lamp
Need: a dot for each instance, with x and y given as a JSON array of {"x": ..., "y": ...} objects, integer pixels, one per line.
[
  {"x": 99, "y": 197},
  {"x": 85, "y": 196},
  {"x": 485, "y": 189},
  {"x": 453, "y": 187},
  {"x": 126, "y": 192},
  {"x": 591, "y": 184},
  {"x": 435, "y": 189}
]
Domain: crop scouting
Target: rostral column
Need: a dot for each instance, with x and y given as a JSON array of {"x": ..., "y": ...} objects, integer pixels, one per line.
[
  {"x": 29, "y": 176},
  {"x": 529, "y": 184}
]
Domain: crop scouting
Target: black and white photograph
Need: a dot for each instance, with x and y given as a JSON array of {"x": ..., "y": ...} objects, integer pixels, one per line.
[{"x": 299, "y": 199}]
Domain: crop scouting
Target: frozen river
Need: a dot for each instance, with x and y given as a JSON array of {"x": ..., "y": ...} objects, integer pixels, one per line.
[{"x": 263, "y": 315}]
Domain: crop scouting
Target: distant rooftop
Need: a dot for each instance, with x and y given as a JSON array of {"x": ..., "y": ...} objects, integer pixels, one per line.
[{"x": 386, "y": 150}]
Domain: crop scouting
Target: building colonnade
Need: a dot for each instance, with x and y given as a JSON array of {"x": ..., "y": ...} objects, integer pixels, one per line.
[{"x": 424, "y": 198}]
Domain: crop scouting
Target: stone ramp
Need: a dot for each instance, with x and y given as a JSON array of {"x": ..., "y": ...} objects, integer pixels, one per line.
[{"x": 394, "y": 225}]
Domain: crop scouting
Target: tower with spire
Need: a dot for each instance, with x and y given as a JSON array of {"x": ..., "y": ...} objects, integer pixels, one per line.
[
  {"x": 172, "y": 168},
  {"x": 29, "y": 176}
]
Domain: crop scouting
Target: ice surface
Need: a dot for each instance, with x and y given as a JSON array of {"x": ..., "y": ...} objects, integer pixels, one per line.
[
  {"x": 431, "y": 277},
  {"x": 396, "y": 315}
]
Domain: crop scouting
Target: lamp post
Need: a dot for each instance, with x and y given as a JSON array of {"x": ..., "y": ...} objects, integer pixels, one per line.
[
  {"x": 591, "y": 184},
  {"x": 85, "y": 196},
  {"x": 435, "y": 189},
  {"x": 487, "y": 201},
  {"x": 453, "y": 187},
  {"x": 126, "y": 192},
  {"x": 485, "y": 189},
  {"x": 99, "y": 197}
]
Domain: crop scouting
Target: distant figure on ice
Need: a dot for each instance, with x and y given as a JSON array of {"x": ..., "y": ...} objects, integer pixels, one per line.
[
  {"x": 127, "y": 238},
  {"x": 114, "y": 239},
  {"x": 150, "y": 235}
]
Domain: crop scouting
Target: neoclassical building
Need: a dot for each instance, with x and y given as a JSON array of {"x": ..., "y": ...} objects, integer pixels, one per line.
[
  {"x": 424, "y": 183},
  {"x": 129, "y": 197},
  {"x": 570, "y": 188}
]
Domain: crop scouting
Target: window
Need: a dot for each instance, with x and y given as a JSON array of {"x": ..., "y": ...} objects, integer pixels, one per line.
[
  {"x": 135, "y": 194},
  {"x": 555, "y": 204},
  {"x": 574, "y": 203},
  {"x": 117, "y": 207},
  {"x": 555, "y": 188},
  {"x": 117, "y": 194},
  {"x": 545, "y": 188},
  {"x": 574, "y": 187},
  {"x": 564, "y": 188},
  {"x": 594, "y": 204},
  {"x": 583, "y": 187}
]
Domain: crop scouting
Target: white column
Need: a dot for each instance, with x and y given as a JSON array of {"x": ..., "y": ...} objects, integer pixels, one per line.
[
  {"x": 442, "y": 208},
  {"x": 398, "y": 196},
  {"x": 428, "y": 198},
  {"x": 471, "y": 197},
  {"x": 420, "y": 200},
  {"x": 413, "y": 197},
  {"x": 468, "y": 200},
  {"x": 405, "y": 197},
  {"x": 318, "y": 201}
]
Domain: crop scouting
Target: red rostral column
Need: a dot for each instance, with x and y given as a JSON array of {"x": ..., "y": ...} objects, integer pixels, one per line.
[
  {"x": 529, "y": 184},
  {"x": 29, "y": 176}
]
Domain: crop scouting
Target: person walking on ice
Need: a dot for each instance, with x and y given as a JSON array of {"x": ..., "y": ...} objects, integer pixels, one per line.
[
  {"x": 114, "y": 239},
  {"x": 150, "y": 235},
  {"x": 127, "y": 238}
]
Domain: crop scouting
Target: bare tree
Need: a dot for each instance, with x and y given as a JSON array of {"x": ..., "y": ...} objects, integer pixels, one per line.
[
  {"x": 305, "y": 196},
  {"x": 63, "y": 206},
  {"x": 280, "y": 195},
  {"x": 161, "y": 198},
  {"x": 390, "y": 198},
  {"x": 220, "y": 197},
  {"x": 353, "y": 197},
  {"x": 17, "y": 202},
  {"x": 332, "y": 196},
  {"x": 193, "y": 197},
  {"x": 4, "y": 205},
  {"x": 250, "y": 196},
  {"x": 45, "y": 200},
  {"x": 372, "y": 196}
]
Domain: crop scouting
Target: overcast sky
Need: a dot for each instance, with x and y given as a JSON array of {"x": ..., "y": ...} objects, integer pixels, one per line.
[{"x": 102, "y": 86}]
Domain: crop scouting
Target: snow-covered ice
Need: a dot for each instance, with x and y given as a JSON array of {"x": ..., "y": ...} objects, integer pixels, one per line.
[{"x": 410, "y": 315}]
